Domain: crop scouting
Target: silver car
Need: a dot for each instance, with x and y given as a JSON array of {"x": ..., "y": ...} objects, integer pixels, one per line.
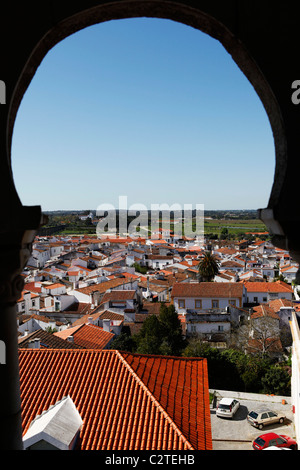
[
  {"x": 227, "y": 407},
  {"x": 259, "y": 419}
]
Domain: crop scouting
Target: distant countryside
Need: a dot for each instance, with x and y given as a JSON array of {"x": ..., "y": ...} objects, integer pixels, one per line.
[{"x": 217, "y": 224}]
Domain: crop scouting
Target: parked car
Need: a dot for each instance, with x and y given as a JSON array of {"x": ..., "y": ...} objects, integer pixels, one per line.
[
  {"x": 275, "y": 440},
  {"x": 227, "y": 407},
  {"x": 259, "y": 419}
]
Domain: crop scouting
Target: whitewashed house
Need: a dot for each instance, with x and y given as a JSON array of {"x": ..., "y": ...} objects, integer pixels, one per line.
[
  {"x": 120, "y": 300},
  {"x": 56, "y": 249},
  {"x": 269, "y": 271},
  {"x": 208, "y": 326},
  {"x": 158, "y": 261},
  {"x": 37, "y": 322},
  {"x": 27, "y": 302},
  {"x": 39, "y": 257},
  {"x": 207, "y": 295},
  {"x": 263, "y": 292},
  {"x": 289, "y": 271},
  {"x": 93, "y": 294},
  {"x": 53, "y": 289}
]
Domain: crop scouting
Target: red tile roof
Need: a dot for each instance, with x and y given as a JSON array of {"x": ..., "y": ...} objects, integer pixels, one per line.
[
  {"x": 277, "y": 286},
  {"x": 103, "y": 286},
  {"x": 33, "y": 287},
  {"x": 276, "y": 304},
  {"x": 126, "y": 401},
  {"x": 88, "y": 336},
  {"x": 57, "y": 285},
  {"x": 208, "y": 289},
  {"x": 119, "y": 295},
  {"x": 263, "y": 310},
  {"x": 32, "y": 296}
]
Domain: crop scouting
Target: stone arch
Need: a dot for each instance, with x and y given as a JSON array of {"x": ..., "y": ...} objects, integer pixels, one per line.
[{"x": 208, "y": 22}]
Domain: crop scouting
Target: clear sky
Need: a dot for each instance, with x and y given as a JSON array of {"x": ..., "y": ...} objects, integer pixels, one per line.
[{"x": 145, "y": 108}]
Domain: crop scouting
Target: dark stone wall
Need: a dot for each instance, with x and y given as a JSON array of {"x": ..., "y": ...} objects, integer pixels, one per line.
[{"x": 262, "y": 38}]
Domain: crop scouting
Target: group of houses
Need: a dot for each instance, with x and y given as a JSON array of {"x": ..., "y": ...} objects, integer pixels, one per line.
[{"x": 78, "y": 294}]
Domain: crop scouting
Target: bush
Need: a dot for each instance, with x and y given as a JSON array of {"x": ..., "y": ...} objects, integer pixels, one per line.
[{"x": 277, "y": 381}]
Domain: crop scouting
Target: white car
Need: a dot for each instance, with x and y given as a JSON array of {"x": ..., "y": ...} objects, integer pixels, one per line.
[{"x": 227, "y": 407}]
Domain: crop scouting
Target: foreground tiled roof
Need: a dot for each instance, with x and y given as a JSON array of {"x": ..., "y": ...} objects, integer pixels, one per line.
[{"x": 126, "y": 401}]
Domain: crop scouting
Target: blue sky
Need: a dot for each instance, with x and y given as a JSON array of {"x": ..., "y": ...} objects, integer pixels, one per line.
[{"x": 145, "y": 108}]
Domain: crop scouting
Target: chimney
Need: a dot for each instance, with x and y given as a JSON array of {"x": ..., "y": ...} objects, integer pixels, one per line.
[
  {"x": 34, "y": 343},
  {"x": 106, "y": 324}
]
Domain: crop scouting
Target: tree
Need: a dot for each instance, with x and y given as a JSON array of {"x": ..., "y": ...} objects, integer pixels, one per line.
[
  {"x": 161, "y": 334},
  {"x": 171, "y": 329},
  {"x": 149, "y": 338},
  {"x": 123, "y": 342},
  {"x": 224, "y": 233},
  {"x": 277, "y": 380},
  {"x": 230, "y": 369},
  {"x": 264, "y": 336},
  {"x": 208, "y": 267}
]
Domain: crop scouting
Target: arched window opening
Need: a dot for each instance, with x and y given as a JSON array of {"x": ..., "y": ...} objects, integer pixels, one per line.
[{"x": 150, "y": 109}]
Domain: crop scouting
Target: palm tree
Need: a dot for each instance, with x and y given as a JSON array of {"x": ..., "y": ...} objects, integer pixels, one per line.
[{"x": 208, "y": 267}]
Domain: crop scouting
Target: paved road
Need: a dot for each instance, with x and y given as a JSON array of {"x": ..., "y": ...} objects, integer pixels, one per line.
[{"x": 238, "y": 434}]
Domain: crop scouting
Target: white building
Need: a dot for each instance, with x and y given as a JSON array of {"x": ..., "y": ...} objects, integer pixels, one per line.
[
  {"x": 53, "y": 289},
  {"x": 289, "y": 272},
  {"x": 263, "y": 292},
  {"x": 38, "y": 257},
  {"x": 208, "y": 325},
  {"x": 207, "y": 295},
  {"x": 27, "y": 302},
  {"x": 295, "y": 378},
  {"x": 158, "y": 261}
]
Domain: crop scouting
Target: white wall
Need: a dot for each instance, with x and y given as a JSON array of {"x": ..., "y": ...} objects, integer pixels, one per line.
[
  {"x": 208, "y": 327},
  {"x": 263, "y": 297},
  {"x": 295, "y": 379},
  {"x": 206, "y": 303}
]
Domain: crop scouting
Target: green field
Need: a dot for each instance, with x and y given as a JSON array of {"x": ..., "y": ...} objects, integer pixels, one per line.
[{"x": 234, "y": 226}]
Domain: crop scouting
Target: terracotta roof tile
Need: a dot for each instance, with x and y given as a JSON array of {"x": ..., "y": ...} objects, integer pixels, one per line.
[
  {"x": 103, "y": 286},
  {"x": 119, "y": 295},
  {"x": 277, "y": 286},
  {"x": 88, "y": 336},
  {"x": 187, "y": 384},
  {"x": 264, "y": 311},
  {"x": 207, "y": 289},
  {"x": 126, "y": 402},
  {"x": 47, "y": 340}
]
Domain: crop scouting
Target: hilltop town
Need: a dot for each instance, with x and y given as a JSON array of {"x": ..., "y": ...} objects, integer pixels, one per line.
[
  {"x": 81, "y": 292},
  {"x": 112, "y": 282}
]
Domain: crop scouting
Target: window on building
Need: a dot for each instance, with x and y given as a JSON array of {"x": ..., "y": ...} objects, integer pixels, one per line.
[
  {"x": 198, "y": 303},
  {"x": 181, "y": 303},
  {"x": 215, "y": 303}
]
